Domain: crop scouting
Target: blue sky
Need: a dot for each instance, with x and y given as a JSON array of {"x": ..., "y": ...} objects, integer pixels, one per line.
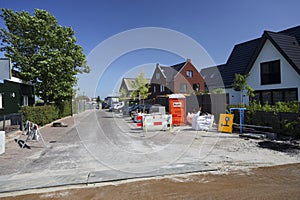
[{"x": 216, "y": 25}]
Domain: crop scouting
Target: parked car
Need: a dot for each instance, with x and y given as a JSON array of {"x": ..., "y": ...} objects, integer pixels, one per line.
[
  {"x": 105, "y": 105},
  {"x": 118, "y": 106},
  {"x": 139, "y": 108}
]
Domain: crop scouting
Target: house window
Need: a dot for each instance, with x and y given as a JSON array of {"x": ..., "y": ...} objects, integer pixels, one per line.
[
  {"x": 162, "y": 88},
  {"x": 196, "y": 87},
  {"x": 154, "y": 89},
  {"x": 189, "y": 73},
  {"x": 1, "y": 106},
  {"x": 183, "y": 87},
  {"x": 274, "y": 96},
  {"x": 157, "y": 75},
  {"x": 290, "y": 95},
  {"x": 25, "y": 100},
  {"x": 270, "y": 72}
]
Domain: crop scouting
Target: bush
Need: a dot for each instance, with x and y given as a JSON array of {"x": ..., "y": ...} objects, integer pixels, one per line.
[
  {"x": 282, "y": 117},
  {"x": 43, "y": 115}
]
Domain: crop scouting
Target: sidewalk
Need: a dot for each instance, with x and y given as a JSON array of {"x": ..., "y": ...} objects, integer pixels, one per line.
[{"x": 15, "y": 158}]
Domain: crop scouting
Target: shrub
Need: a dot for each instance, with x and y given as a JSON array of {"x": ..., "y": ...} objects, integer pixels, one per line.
[{"x": 43, "y": 115}]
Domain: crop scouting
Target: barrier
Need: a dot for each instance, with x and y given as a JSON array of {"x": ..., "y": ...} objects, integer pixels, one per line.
[
  {"x": 33, "y": 133},
  {"x": 157, "y": 122},
  {"x": 241, "y": 110}
]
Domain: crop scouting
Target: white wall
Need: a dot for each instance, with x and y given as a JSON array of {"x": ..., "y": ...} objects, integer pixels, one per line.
[
  {"x": 235, "y": 96},
  {"x": 289, "y": 77}
]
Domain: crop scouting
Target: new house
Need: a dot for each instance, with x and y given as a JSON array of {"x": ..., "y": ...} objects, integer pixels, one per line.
[
  {"x": 181, "y": 78},
  {"x": 273, "y": 64}
]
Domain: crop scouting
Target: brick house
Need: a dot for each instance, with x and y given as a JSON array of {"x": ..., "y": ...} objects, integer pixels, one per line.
[{"x": 181, "y": 78}]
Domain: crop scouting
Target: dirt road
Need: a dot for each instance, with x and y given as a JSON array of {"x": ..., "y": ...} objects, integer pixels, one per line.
[{"x": 279, "y": 182}]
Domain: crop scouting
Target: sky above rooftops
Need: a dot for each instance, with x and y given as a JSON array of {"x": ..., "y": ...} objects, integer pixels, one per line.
[{"x": 215, "y": 25}]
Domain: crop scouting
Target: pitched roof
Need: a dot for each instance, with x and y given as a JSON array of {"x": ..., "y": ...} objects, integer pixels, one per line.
[
  {"x": 244, "y": 54},
  {"x": 287, "y": 45},
  {"x": 172, "y": 71},
  {"x": 129, "y": 82},
  {"x": 212, "y": 76},
  {"x": 238, "y": 60}
]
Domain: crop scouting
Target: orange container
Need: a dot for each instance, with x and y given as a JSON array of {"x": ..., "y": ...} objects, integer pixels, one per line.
[{"x": 177, "y": 106}]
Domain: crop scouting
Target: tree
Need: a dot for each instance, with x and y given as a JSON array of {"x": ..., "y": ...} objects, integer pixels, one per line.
[
  {"x": 240, "y": 84},
  {"x": 123, "y": 94},
  {"x": 44, "y": 53},
  {"x": 141, "y": 87},
  {"x": 218, "y": 91}
]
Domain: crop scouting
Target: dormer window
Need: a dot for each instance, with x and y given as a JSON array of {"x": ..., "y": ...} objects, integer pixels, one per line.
[{"x": 189, "y": 73}]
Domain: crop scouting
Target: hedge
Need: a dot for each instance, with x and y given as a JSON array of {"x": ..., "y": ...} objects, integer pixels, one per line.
[
  {"x": 43, "y": 115},
  {"x": 283, "y": 117}
]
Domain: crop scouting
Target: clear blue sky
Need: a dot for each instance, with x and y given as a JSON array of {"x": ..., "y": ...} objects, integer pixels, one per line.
[{"x": 216, "y": 25}]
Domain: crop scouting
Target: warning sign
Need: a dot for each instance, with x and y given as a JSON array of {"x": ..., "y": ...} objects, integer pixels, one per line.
[{"x": 225, "y": 123}]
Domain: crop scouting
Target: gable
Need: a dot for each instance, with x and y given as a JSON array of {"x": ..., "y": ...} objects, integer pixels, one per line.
[
  {"x": 269, "y": 53},
  {"x": 287, "y": 45},
  {"x": 161, "y": 77}
]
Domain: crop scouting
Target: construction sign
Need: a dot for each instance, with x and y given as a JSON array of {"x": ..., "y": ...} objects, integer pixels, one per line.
[{"x": 225, "y": 123}]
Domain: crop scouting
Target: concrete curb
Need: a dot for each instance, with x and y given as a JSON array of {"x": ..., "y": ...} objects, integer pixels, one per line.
[{"x": 15, "y": 183}]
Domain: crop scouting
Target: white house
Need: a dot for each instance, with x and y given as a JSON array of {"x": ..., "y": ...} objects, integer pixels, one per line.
[
  {"x": 275, "y": 68},
  {"x": 273, "y": 64}
]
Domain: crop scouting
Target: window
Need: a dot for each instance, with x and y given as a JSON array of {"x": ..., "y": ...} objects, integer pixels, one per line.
[
  {"x": 189, "y": 73},
  {"x": 162, "y": 88},
  {"x": 1, "y": 106},
  {"x": 183, "y": 87},
  {"x": 274, "y": 96},
  {"x": 25, "y": 100},
  {"x": 196, "y": 87},
  {"x": 270, "y": 72},
  {"x": 266, "y": 97},
  {"x": 154, "y": 89},
  {"x": 157, "y": 75},
  {"x": 290, "y": 95}
]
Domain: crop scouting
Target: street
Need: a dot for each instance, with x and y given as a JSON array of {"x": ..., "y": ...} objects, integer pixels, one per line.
[{"x": 100, "y": 146}]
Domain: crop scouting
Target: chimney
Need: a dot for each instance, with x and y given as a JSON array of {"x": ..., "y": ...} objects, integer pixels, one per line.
[
  {"x": 188, "y": 60},
  {"x": 157, "y": 64}
]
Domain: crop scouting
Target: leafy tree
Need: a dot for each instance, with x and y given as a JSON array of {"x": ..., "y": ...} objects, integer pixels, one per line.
[
  {"x": 44, "y": 53},
  {"x": 142, "y": 87},
  {"x": 218, "y": 91},
  {"x": 123, "y": 94},
  {"x": 240, "y": 84}
]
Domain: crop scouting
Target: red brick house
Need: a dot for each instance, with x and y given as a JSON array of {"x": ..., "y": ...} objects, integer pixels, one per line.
[{"x": 181, "y": 78}]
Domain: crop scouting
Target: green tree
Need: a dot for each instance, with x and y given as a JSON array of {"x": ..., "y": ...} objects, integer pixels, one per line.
[
  {"x": 240, "y": 84},
  {"x": 123, "y": 94},
  {"x": 44, "y": 53},
  {"x": 218, "y": 91},
  {"x": 142, "y": 87}
]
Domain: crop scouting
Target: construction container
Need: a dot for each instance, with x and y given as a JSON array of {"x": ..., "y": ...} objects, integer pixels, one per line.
[{"x": 177, "y": 105}]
